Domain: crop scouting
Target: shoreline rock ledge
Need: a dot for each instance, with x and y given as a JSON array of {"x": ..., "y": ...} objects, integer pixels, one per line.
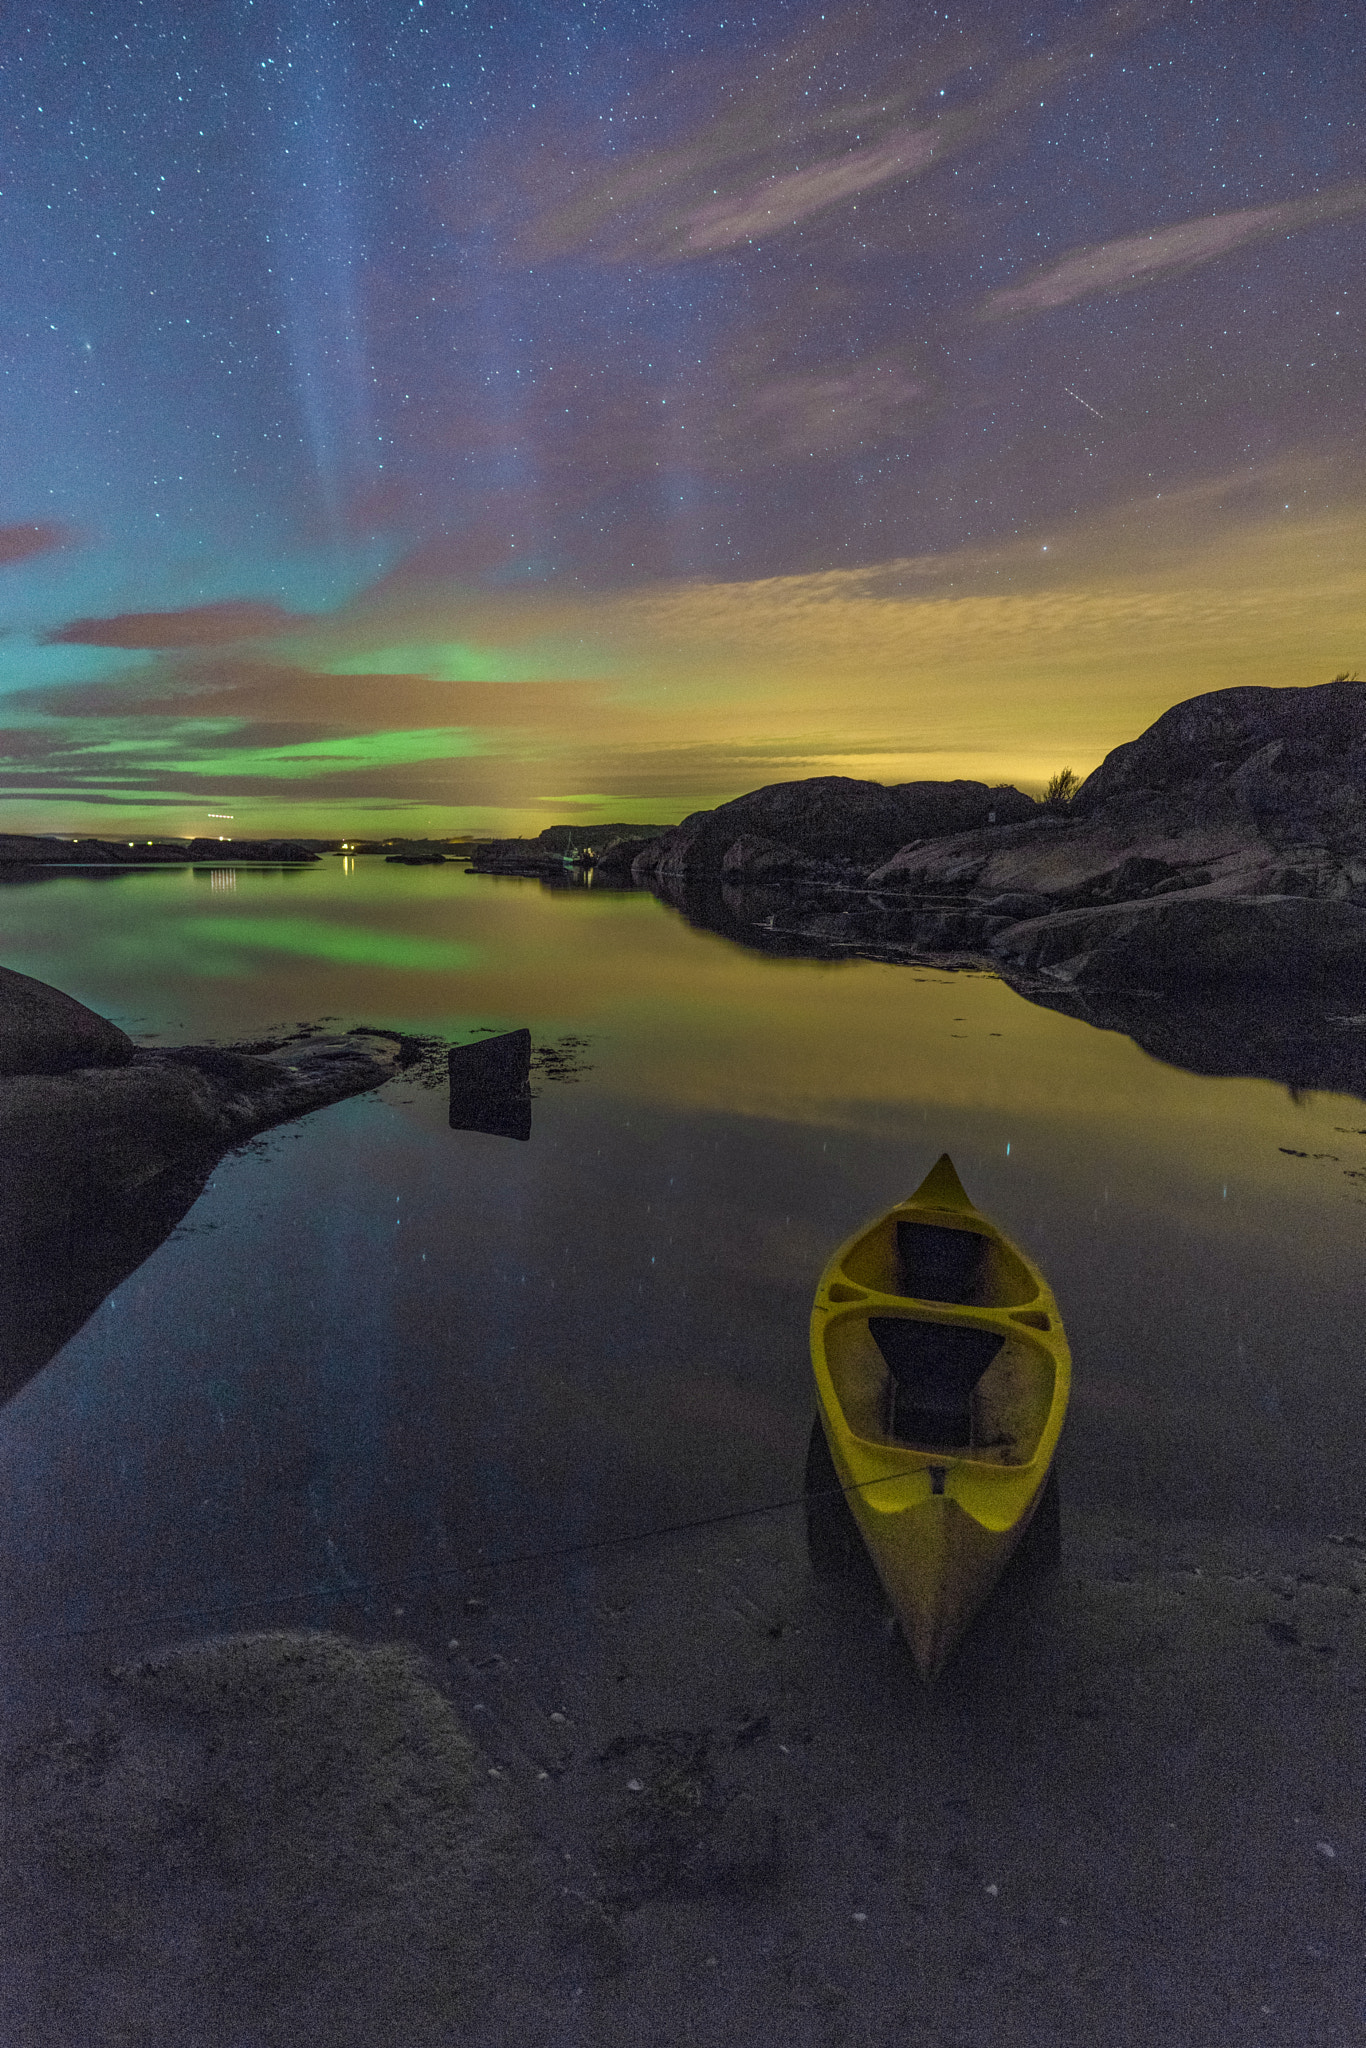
[
  {"x": 107, "y": 1144},
  {"x": 1224, "y": 847}
]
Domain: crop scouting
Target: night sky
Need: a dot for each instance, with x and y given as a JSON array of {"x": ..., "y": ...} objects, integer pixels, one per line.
[{"x": 433, "y": 417}]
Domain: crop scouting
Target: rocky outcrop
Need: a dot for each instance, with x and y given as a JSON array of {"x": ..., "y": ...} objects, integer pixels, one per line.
[
  {"x": 1291, "y": 763},
  {"x": 43, "y": 1031},
  {"x": 831, "y": 818},
  {"x": 1223, "y": 850},
  {"x": 615, "y": 862},
  {"x": 102, "y": 1159},
  {"x": 753, "y": 858},
  {"x": 515, "y": 857},
  {"x": 220, "y": 851}
]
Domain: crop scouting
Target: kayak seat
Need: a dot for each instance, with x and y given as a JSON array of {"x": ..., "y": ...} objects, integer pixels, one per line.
[
  {"x": 934, "y": 1368},
  {"x": 935, "y": 1264}
]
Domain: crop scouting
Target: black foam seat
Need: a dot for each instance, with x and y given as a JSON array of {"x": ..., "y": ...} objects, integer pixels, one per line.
[
  {"x": 934, "y": 1368},
  {"x": 936, "y": 1264}
]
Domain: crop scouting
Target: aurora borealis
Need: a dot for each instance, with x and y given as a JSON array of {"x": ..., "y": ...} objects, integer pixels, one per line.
[{"x": 428, "y": 418}]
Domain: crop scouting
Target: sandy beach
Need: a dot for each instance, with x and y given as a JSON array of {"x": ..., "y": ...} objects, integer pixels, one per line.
[{"x": 712, "y": 1803}]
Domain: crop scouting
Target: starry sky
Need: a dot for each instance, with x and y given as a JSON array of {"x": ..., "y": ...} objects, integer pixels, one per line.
[{"x": 439, "y": 417}]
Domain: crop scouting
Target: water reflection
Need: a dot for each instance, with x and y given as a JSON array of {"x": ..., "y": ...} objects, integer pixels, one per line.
[
  {"x": 1305, "y": 1039},
  {"x": 376, "y": 1349}
]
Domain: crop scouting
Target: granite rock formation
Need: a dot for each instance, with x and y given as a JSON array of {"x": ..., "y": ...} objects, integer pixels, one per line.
[
  {"x": 106, "y": 1145},
  {"x": 43, "y": 1031},
  {"x": 848, "y": 825},
  {"x": 1224, "y": 847}
]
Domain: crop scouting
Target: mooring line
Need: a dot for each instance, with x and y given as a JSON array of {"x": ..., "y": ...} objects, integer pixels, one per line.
[{"x": 367, "y": 1588}]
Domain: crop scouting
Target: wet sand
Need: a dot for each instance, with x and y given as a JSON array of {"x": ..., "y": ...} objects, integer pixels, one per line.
[{"x": 714, "y": 1804}]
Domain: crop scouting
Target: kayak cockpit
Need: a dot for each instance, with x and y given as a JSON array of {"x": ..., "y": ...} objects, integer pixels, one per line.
[
  {"x": 944, "y": 1261},
  {"x": 922, "y": 1384}
]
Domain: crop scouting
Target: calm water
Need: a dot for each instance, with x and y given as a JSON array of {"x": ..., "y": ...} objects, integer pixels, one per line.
[{"x": 379, "y": 1348}]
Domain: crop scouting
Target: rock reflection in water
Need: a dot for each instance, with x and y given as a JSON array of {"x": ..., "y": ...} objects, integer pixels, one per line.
[
  {"x": 1308, "y": 1038},
  {"x": 1306, "y": 1042}
]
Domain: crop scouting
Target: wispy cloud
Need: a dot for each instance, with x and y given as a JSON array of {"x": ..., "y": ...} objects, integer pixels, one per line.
[
  {"x": 834, "y": 409},
  {"x": 1134, "y": 260},
  {"x": 784, "y": 201},
  {"x": 769, "y": 155},
  {"x": 204, "y": 625},
  {"x": 40, "y": 537}
]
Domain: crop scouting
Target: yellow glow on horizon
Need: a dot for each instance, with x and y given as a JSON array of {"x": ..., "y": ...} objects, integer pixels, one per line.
[{"x": 998, "y": 663}]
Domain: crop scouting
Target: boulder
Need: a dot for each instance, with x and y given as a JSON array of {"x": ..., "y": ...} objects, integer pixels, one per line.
[
  {"x": 491, "y": 1085},
  {"x": 1280, "y": 751},
  {"x": 43, "y": 1031}
]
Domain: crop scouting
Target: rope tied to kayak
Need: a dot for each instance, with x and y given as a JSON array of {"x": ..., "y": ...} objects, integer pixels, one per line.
[{"x": 437, "y": 1576}]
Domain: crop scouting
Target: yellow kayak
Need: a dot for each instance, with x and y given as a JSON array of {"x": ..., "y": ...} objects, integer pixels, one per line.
[{"x": 942, "y": 1374}]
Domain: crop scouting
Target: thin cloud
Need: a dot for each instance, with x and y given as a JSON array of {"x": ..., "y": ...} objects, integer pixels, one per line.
[
  {"x": 833, "y": 410},
  {"x": 730, "y": 178},
  {"x": 19, "y": 543},
  {"x": 1135, "y": 260},
  {"x": 204, "y": 625},
  {"x": 273, "y": 697},
  {"x": 784, "y": 202}
]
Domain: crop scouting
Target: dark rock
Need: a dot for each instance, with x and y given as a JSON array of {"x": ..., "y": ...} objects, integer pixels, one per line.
[
  {"x": 569, "y": 838},
  {"x": 829, "y": 818},
  {"x": 43, "y": 1031},
  {"x": 125, "y": 853},
  {"x": 618, "y": 859},
  {"x": 491, "y": 1085},
  {"x": 1018, "y": 903},
  {"x": 1284, "y": 750},
  {"x": 515, "y": 857},
  {"x": 754, "y": 858},
  {"x": 26, "y": 850},
  {"x": 300, "y": 1815},
  {"x": 102, "y": 1162},
  {"x": 417, "y": 860},
  {"x": 1196, "y": 942},
  {"x": 226, "y": 851}
]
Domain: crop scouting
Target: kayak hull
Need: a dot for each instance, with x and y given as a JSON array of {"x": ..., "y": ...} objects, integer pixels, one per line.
[{"x": 943, "y": 1471}]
